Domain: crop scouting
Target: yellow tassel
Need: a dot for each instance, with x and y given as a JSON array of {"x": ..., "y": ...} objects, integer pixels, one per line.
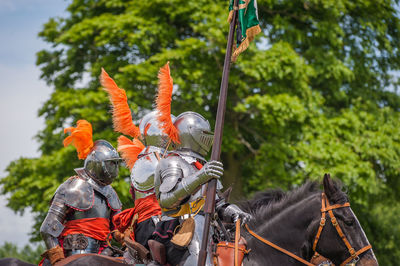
[{"x": 251, "y": 34}]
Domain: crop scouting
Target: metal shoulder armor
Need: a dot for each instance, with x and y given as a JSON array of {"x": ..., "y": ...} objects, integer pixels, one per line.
[
  {"x": 109, "y": 193},
  {"x": 76, "y": 193},
  {"x": 168, "y": 173}
]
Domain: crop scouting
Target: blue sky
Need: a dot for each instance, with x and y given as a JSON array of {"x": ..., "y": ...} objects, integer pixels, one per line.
[{"x": 22, "y": 94}]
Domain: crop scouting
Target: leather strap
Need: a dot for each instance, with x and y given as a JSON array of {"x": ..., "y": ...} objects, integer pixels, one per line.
[
  {"x": 336, "y": 206},
  {"x": 356, "y": 254},
  {"x": 277, "y": 247},
  {"x": 326, "y": 207},
  {"x": 237, "y": 237},
  {"x": 321, "y": 224}
]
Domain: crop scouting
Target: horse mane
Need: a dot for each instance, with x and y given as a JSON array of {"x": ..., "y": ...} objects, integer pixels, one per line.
[{"x": 269, "y": 203}]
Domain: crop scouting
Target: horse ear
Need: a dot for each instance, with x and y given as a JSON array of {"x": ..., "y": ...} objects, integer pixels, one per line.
[
  {"x": 226, "y": 194},
  {"x": 329, "y": 186}
]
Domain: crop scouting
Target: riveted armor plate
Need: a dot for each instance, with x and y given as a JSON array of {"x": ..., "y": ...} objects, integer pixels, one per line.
[
  {"x": 109, "y": 193},
  {"x": 77, "y": 193},
  {"x": 52, "y": 227},
  {"x": 170, "y": 172}
]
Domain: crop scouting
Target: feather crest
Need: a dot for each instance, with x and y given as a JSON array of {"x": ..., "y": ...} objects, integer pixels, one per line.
[
  {"x": 80, "y": 137},
  {"x": 122, "y": 116},
  {"x": 129, "y": 150},
  {"x": 163, "y": 103}
]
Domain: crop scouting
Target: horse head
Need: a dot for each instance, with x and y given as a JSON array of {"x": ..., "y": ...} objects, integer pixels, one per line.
[
  {"x": 304, "y": 221},
  {"x": 342, "y": 238}
]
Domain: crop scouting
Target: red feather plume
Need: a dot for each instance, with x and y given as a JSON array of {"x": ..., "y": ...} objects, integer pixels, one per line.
[
  {"x": 81, "y": 137},
  {"x": 122, "y": 117},
  {"x": 163, "y": 103},
  {"x": 129, "y": 150}
]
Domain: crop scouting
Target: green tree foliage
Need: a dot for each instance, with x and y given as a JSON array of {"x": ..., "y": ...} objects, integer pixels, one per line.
[
  {"x": 317, "y": 93},
  {"x": 26, "y": 253}
]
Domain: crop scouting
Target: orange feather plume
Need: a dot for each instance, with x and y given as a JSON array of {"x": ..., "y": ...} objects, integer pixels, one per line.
[
  {"x": 163, "y": 103},
  {"x": 81, "y": 137},
  {"x": 122, "y": 117},
  {"x": 129, "y": 150}
]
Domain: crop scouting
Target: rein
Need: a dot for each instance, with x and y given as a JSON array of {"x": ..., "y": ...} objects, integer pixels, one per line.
[
  {"x": 278, "y": 248},
  {"x": 325, "y": 207}
]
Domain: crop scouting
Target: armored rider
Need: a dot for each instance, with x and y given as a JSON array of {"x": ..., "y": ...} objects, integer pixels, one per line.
[
  {"x": 79, "y": 218},
  {"x": 180, "y": 178},
  {"x": 142, "y": 161}
]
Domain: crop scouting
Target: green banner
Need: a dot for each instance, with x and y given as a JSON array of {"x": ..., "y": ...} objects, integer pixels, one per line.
[{"x": 248, "y": 25}]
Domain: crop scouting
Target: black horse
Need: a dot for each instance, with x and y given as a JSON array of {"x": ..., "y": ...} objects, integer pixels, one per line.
[{"x": 291, "y": 221}]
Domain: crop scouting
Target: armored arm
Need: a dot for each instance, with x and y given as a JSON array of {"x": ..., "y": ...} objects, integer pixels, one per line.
[
  {"x": 52, "y": 225},
  {"x": 175, "y": 186}
]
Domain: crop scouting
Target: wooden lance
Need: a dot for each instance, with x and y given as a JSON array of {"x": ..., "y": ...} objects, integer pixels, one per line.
[{"x": 209, "y": 206}]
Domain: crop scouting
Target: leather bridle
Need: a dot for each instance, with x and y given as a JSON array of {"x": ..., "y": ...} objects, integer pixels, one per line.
[{"x": 326, "y": 207}]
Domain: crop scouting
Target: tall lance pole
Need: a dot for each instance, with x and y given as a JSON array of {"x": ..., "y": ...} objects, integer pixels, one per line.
[{"x": 209, "y": 206}]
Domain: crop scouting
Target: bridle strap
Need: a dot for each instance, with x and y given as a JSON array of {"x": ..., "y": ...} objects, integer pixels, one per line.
[
  {"x": 321, "y": 224},
  {"x": 356, "y": 254},
  {"x": 336, "y": 206},
  {"x": 277, "y": 247},
  {"x": 326, "y": 207}
]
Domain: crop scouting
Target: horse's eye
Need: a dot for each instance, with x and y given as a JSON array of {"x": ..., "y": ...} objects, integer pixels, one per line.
[{"x": 349, "y": 221}]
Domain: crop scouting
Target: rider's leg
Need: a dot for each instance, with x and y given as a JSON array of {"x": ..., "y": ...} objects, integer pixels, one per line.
[{"x": 195, "y": 244}]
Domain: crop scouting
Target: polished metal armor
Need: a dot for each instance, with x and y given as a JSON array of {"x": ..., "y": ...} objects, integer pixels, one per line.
[
  {"x": 152, "y": 132},
  {"x": 102, "y": 162},
  {"x": 194, "y": 133},
  {"x": 77, "y": 198},
  {"x": 142, "y": 173},
  {"x": 178, "y": 179}
]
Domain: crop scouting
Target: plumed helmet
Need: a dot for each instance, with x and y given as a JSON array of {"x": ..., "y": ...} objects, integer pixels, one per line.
[
  {"x": 194, "y": 133},
  {"x": 151, "y": 131},
  {"x": 102, "y": 163}
]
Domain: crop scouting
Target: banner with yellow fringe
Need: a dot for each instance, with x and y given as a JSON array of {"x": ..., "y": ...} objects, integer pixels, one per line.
[{"x": 247, "y": 27}]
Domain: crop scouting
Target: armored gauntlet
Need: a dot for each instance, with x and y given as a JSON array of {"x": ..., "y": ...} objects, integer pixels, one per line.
[
  {"x": 212, "y": 169},
  {"x": 231, "y": 212}
]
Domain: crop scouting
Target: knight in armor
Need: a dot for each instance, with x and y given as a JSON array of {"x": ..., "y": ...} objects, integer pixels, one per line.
[
  {"x": 81, "y": 211},
  {"x": 181, "y": 177},
  {"x": 137, "y": 224}
]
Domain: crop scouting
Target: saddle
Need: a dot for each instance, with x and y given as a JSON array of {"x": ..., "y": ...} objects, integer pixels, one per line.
[{"x": 136, "y": 250}]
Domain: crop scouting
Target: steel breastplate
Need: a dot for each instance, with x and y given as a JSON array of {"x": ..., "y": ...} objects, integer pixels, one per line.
[
  {"x": 143, "y": 171},
  {"x": 99, "y": 209}
]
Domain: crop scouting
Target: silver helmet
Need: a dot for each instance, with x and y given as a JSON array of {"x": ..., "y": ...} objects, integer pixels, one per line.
[
  {"x": 194, "y": 133},
  {"x": 152, "y": 132},
  {"x": 102, "y": 163}
]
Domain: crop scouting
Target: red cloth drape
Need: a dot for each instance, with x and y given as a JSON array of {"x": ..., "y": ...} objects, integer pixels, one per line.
[
  {"x": 97, "y": 228},
  {"x": 144, "y": 207}
]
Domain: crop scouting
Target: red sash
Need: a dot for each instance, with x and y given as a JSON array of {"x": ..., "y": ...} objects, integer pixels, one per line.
[
  {"x": 97, "y": 228},
  {"x": 144, "y": 207}
]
